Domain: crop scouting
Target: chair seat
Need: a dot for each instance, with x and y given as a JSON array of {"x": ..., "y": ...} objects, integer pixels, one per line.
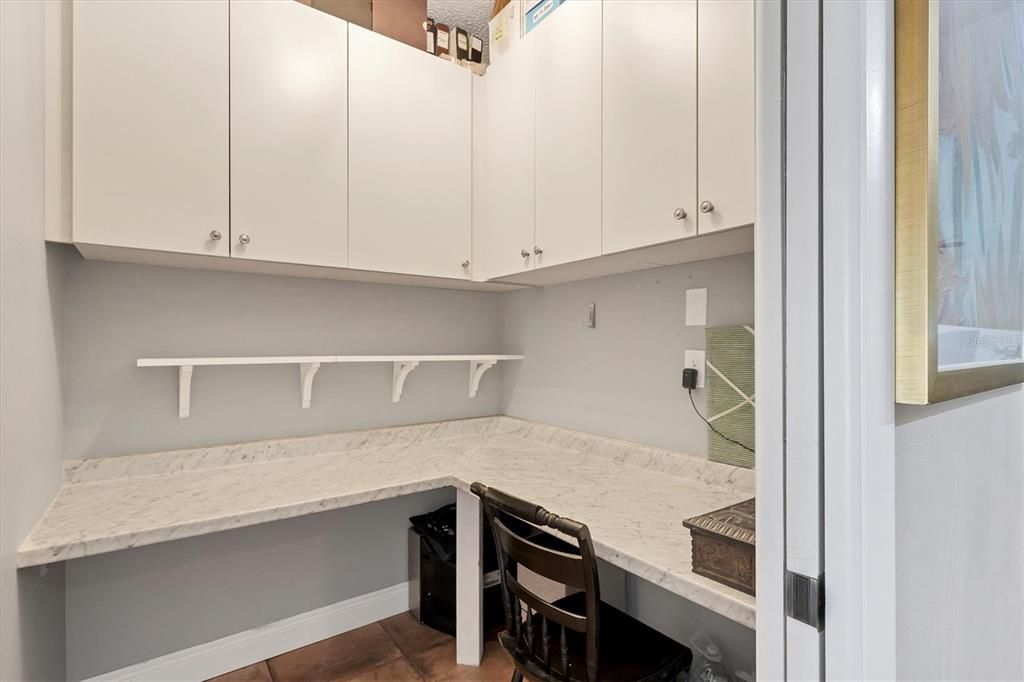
[{"x": 628, "y": 649}]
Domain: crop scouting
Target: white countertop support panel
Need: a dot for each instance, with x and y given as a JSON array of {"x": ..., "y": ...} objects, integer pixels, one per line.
[{"x": 469, "y": 603}]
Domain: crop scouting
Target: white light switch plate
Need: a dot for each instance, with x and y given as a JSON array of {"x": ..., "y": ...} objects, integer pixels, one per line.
[
  {"x": 696, "y": 307},
  {"x": 695, "y": 359}
]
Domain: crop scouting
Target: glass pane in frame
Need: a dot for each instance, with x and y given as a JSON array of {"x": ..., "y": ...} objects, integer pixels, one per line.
[{"x": 980, "y": 192}]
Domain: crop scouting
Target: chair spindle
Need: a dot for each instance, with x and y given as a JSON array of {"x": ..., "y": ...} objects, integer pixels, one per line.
[
  {"x": 565, "y": 655},
  {"x": 529, "y": 629},
  {"x": 544, "y": 642}
]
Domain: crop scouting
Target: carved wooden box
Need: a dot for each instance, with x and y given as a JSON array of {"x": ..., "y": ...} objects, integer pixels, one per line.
[{"x": 723, "y": 545}]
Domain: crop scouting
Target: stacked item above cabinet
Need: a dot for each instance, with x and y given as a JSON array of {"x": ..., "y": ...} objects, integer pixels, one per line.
[{"x": 272, "y": 137}]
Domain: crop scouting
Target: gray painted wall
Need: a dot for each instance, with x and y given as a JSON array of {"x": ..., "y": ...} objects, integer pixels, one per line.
[
  {"x": 960, "y": 539},
  {"x": 31, "y": 606},
  {"x": 131, "y": 606},
  {"x": 680, "y": 619},
  {"x": 622, "y": 379},
  {"x": 117, "y": 313}
]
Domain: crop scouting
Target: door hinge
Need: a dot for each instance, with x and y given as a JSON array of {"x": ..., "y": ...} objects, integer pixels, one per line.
[{"x": 805, "y": 599}]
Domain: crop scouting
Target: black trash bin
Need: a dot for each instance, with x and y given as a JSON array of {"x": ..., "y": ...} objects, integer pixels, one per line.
[{"x": 432, "y": 572}]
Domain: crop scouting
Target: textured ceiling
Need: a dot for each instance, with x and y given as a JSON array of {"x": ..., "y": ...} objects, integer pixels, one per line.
[{"x": 471, "y": 15}]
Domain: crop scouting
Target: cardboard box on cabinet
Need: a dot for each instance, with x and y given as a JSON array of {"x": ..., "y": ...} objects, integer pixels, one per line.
[
  {"x": 358, "y": 12},
  {"x": 401, "y": 20}
]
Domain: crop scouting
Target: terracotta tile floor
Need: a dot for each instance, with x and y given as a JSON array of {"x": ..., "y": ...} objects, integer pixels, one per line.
[{"x": 397, "y": 649}]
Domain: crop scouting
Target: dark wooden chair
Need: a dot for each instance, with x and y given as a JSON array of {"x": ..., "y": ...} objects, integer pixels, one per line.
[{"x": 577, "y": 637}]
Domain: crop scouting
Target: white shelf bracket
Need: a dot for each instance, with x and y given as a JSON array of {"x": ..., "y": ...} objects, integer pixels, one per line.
[
  {"x": 398, "y": 376},
  {"x": 476, "y": 372},
  {"x": 309, "y": 365},
  {"x": 184, "y": 391},
  {"x": 307, "y": 370}
]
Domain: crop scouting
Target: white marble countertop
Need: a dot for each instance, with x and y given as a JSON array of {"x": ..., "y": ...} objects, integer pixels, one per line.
[{"x": 633, "y": 498}]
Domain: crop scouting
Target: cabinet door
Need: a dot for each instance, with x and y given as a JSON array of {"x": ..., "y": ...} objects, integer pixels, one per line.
[
  {"x": 409, "y": 159},
  {"x": 725, "y": 101},
  {"x": 650, "y": 122},
  {"x": 503, "y": 146},
  {"x": 150, "y": 125},
  {"x": 289, "y": 134},
  {"x": 568, "y": 91}
]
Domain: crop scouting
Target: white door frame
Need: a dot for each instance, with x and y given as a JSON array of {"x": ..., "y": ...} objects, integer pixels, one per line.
[
  {"x": 858, "y": 190},
  {"x": 769, "y": 362},
  {"x": 788, "y": 316},
  {"x": 856, "y": 436}
]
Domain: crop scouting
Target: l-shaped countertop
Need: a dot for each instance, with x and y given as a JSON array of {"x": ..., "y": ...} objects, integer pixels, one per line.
[{"x": 633, "y": 497}]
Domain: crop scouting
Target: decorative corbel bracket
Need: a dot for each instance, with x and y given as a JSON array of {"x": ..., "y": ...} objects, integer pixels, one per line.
[
  {"x": 307, "y": 370},
  {"x": 476, "y": 372},
  {"x": 399, "y": 373},
  {"x": 184, "y": 391}
]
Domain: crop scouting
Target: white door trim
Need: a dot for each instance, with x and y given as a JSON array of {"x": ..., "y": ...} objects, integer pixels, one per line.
[
  {"x": 859, "y": 421},
  {"x": 769, "y": 360},
  {"x": 804, "y": 447}
]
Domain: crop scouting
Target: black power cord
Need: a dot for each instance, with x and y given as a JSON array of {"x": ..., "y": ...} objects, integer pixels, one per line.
[{"x": 711, "y": 426}]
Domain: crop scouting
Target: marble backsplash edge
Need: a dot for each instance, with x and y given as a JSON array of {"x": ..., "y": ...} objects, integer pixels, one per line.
[
  {"x": 172, "y": 461},
  {"x": 633, "y": 454}
]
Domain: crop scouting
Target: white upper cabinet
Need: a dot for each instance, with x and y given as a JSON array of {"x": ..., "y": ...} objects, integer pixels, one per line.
[
  {"x": 725, "y": 100},
  {"x": 568, "y": 138},
  {"x": 150, "y": 125},
  {"x": 503, "y": 147},
  {"x": 650, "y": 122},
  {"x": 275, "y": 133},
  {"x": 289, "y": 134},
  {"x": 409, "y": 159}
]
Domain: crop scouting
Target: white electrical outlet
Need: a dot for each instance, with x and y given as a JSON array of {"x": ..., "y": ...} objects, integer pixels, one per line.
[{"x": 695, "y": 359}]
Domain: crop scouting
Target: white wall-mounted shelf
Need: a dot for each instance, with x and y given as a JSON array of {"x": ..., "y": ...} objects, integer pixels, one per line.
[{"x": 308, "y": 365}]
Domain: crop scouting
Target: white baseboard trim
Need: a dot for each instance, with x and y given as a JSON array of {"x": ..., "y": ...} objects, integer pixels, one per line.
[{"x": 204, "y": 661}]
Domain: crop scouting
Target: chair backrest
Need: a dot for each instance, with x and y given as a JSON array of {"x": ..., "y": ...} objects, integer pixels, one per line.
[{"x": 512, "y": 520}]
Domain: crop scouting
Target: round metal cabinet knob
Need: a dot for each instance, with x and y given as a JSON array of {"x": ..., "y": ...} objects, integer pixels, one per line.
[
  {"x": 537, "y": 250},
  {"x": 465, "y": 263},
  {"x": 244, "y": 239},
  {"x": 215, "y": 235},
  {"x": 680, "y": 213},
  {"x": 524, "y": 253},
  {"x": 706, "y": 207}
]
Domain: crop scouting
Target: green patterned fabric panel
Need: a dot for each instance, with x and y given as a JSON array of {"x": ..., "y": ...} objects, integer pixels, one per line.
[{"x": 730, "y": 381}]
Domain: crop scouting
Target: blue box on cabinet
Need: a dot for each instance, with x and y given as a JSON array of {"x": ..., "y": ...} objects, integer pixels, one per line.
[{"x": 539, "y": 12}]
